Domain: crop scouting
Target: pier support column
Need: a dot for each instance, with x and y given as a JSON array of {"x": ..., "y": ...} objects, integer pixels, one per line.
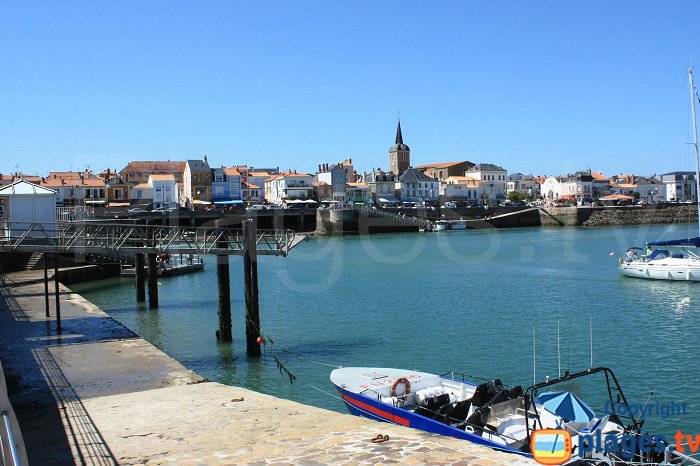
[
  {"x": 152, "y": 281},
  {"x": 224, "y": 283},
  {"x": 250, "y": 270},
  {"x": 140, "y": 278},
  {"x": 46, "y": 284},
  {"x": 58, "y": 296}
]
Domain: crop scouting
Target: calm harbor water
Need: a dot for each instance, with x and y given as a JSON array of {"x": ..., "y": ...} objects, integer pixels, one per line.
[{"x": 462, "y": 301}]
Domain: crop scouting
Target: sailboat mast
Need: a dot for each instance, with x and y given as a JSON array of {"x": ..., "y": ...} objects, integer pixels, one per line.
[{"x": 695, "y": 145}]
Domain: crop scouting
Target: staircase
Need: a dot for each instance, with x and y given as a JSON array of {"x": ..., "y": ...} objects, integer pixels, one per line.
[
  {"x": 402, "y": 219},
  {"x": 33, "y": 262}
]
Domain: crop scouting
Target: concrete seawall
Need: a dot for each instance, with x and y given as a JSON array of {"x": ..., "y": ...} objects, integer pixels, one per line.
[{"x": 97, "y": 394}]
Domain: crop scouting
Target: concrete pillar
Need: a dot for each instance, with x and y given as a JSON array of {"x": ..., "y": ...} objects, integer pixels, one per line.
[
  {"x": 46, "y": 284},
  {"x": 152, "y": 282},
  {"x": 250, "y": 268},
  {"x": 224, "y": 283},
  {"x": 140, "y": 278},
  {"x": 58, "y": 296}
]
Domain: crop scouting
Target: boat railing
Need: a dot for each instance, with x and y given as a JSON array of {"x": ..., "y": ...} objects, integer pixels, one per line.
[
  {"x": 673, "y": 456},
  {"x": 369, "y": 390},
  {"x": 9, "y": 448}
]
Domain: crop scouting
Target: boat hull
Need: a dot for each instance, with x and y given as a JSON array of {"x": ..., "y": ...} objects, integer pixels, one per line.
[
  {"x": 373, "y": 408},
  {"x": 668, "y": 269}
]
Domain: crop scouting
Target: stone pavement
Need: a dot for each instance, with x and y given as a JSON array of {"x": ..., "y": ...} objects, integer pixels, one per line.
[{"x": 97, "y": 394}]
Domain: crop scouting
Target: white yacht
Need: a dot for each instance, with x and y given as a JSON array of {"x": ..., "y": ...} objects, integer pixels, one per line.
[{"x": 676, "y": 259}]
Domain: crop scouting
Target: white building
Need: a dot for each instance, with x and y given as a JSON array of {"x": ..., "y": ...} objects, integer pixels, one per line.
[
  {"x": 578, "y": 186},
  {"x": 24, "y": 203},
  {"x": 680, "y": 186},
  {"x": 494, "y": 189},
  {"x": 165, "y": 191},
  {"x": 646, "y": 188},
  {"x": 415, "y": 186},
  {"x": 357, "y": 192},
  {"x": 337, "y": 177},
  {"x": 141, "y": 195},
  {"x": 524, "y": 184},
  {"x": 288, "y": 185},
  {"x": 461, "y": 188},
  {"x": 381, "y": 184}
]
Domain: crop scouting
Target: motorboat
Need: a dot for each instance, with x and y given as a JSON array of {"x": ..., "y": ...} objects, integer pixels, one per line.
[
  {"x": 443, "y": 225},
  {"x": 677, "y": 259},
  {"x": 508, "y": 419}
]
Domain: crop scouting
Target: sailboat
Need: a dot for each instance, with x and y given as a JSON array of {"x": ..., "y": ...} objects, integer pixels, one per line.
[{"x": 678, "y": 259}]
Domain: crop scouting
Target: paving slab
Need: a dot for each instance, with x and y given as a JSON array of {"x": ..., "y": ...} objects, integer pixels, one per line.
[{"x": 97, "y": 394}]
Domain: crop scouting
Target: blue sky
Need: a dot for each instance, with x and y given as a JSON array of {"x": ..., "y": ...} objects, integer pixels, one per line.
[{"x": 537, "y": 87}]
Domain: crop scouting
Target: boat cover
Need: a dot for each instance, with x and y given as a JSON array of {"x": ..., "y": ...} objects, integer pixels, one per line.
[{"x": 678, "y": 242}]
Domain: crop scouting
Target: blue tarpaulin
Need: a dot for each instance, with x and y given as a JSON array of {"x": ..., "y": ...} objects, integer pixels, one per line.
[
  {"x": 678, "y": 242},
  {"x": 228, "y": 202}
]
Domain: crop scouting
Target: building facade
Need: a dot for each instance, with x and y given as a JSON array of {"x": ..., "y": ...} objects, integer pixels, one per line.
[
  {"x": 165, "y": 191},
  {"x": 415, "y": 186},
  {"x": 336, "y": 177},
  {"x": 679, "y": 186},
  {"x": 493, "y": 190},
  {"x": 197, "y": 181},
  {"x": 287, "y": 186},
  {"x": 443, "y": 170}
]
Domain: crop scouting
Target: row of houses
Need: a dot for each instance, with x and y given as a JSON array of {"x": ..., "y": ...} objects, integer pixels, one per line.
[
  {"x": 192, "y": 183},
  {"x": 167, "y": 184}
]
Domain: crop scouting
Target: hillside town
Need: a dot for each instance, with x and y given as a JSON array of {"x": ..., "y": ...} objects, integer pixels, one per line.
[{"x": 196, "y": 185}]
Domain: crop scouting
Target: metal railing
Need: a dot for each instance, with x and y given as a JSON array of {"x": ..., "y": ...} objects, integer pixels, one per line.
[
  {"x": 398, "y": 218},
  {"x": 11, "y": 448},
  {"x": 97, "y": 237}
]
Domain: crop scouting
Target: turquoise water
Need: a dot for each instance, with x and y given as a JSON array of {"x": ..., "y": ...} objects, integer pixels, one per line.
[{"x": 462, "y": 301}]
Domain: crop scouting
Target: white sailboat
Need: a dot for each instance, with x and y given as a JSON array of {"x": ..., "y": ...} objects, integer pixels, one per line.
[{"x": 678, "y": 259}]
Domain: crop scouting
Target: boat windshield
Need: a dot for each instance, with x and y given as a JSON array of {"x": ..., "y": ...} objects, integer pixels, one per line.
[
  {"x": 507, "y": 410},
  {"x": 659, "y": 254}
]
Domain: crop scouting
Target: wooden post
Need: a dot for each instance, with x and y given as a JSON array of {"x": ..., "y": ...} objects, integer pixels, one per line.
[
  {"x": 58, "y": 297},
  {"x": 46, "y": 284},
  {"x": 250, "y": 269},
  {"x": 140, "y": 278},
  {"x": 152, "y": 281},
  {"x": 224, "y": 283}
]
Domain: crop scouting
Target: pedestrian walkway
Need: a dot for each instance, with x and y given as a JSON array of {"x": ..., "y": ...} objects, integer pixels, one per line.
[{"x": 97, "y": 394}]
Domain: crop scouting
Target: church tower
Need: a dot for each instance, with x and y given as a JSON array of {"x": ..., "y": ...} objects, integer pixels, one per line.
[{"x": 399, "y": 154}]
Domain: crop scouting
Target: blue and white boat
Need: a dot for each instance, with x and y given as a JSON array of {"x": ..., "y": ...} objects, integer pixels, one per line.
[
  {"x": 675, "y": 260},
  {"x": 493, "y": 415}
]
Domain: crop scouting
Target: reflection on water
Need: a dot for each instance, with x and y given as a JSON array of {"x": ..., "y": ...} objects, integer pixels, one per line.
[{"x": 464, "y": 301}]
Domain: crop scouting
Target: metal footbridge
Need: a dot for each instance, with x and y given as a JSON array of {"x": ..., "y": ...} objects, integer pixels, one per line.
[{"x": 100, "y": 237}]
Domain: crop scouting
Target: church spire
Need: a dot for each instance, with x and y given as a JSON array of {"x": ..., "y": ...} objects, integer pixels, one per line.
[{"x": 399, "y": 136}]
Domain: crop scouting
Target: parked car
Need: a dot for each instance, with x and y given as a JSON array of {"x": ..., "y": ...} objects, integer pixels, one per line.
[
  {"x": 137, "y": 210},
  {"x": 255, "y": 207}
]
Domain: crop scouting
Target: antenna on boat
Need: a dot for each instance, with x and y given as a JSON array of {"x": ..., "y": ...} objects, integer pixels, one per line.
[
  {"x": 558, "y": 352},
  {"x": 695, "y": 143},
  {"x": 590, "y": 334},
  {"x": 534, "y": 357}
]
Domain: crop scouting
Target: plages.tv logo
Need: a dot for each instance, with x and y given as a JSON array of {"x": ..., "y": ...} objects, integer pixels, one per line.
[{"x": 551, "y": 446}]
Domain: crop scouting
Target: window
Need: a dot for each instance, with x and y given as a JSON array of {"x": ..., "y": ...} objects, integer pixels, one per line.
[{"x": 219, "y": 190}]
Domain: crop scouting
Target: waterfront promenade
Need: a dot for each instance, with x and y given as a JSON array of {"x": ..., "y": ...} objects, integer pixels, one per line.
[{"x": 97, "y": 394}]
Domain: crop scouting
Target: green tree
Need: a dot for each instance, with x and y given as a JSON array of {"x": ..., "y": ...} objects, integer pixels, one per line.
[{"x": 516, "y": 196}]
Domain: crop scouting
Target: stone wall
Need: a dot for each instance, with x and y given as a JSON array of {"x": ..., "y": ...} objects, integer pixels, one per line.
[{"x": 642, "y": 215}]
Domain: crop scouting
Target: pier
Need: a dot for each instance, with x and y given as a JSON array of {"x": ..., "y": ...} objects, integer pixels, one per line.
[
  {"x": 148, "y": 241},
  {"x": 97, "y": 394}
]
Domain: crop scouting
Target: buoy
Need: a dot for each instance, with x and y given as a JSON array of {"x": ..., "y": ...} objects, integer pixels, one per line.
[{"x": 260, "y": 340}]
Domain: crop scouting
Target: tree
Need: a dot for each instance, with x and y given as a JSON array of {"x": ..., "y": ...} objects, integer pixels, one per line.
[{"x": 516, "y": 196}]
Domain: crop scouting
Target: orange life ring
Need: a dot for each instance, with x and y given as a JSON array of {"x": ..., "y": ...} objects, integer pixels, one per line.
[{"x": 401, "y": 381}]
